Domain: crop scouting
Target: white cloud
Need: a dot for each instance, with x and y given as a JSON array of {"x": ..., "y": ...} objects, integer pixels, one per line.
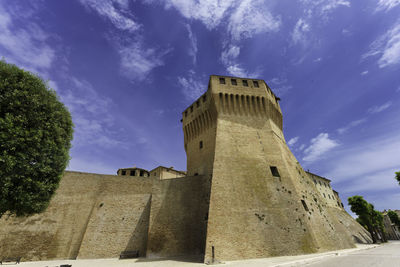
[
  {"x": 302, "y": 147},
  {"x": 364, "y": 72},
  {"x": 368, "y": 158},
  {"x": 243, "y": 18},
  {"x": 137, "y": 61},
  {"x": 25, "y": 46},
  {"x": 251, "y": 17},
  {"x": 351, "y": 125},
  {"x": 230, "y": 54},
  {"x": 387, "y": 4},
  {"x": 387, "y": 47},
  {"x": 192, "y": 86},
  {"x": 377, "y": 109},
  {"x": 324, "y": 7},
  {"x": 280, "y": 86},
  {"x": 319, "y": 146},
  {"x": 317, "y": 59},
  {"x": 374, "y": 181},
  {"x": 299, "y": 32},
  {"x": 193, "y": 44},
  {"x": 90, "y": 114},
  {"x": 293, "y": 141},
  {"x": 110, "y": 9}
]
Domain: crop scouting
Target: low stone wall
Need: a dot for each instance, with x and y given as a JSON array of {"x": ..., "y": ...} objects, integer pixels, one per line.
[{"x": 90, "y": 216}]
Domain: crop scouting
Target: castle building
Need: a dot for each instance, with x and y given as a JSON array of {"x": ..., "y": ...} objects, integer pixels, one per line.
[{"x": 244, "y": 195}]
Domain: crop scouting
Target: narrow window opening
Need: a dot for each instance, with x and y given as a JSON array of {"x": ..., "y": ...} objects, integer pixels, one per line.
[
  {"x": 338, "y": 204},
  {"x": 132, "y": 173},
  {"x": 123, "y": 172},
  {"x": 222, "y": 80},
  {"x": 329, "y": 196},
  {"x": 197, "y": 103},
  {"x": 245, "y": 83},
  {"x": 204, "y": 98},
  {"x": 274, "y": 171},
  {"x": 315, "y": 182},
  {"x": 186, "y": 113},
  {"x": 191, "y": 109},
  {"x": 324, "y": 195},
  {"x": 201, "y": 144},
  {"x": 255, "y": 84},
  {"x": 196, "y": 174},
  {"x": 304, "y": 204},
  {"x": 141, "y": 173},
  {"x": 342, "y": 205},
  {"x": 233, "y": 81}
]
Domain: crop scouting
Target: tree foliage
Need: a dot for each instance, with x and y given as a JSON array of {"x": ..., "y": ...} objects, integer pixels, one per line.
[
  {"x": 397, "y": 176},
  {"x": 35, "y": 138},
  {"x": 394, "y": 217},
  {"x": 368, "y": 217}
]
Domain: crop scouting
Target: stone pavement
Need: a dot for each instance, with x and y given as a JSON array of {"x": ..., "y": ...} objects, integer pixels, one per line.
[{"x": 301, "y": 260}]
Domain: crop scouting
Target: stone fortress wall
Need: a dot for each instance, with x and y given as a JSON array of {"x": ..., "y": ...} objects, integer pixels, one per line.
[{"x": 244, "y": 195}]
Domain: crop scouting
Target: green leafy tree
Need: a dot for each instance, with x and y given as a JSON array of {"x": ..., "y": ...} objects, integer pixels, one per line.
[
  {"x": 397, "y": 177},
  {"x": 35, "y": 138},
  {"x": 363, "y": 209},
  {"x": 377, "y": 222},
  {"x": 394, "y": 217}
]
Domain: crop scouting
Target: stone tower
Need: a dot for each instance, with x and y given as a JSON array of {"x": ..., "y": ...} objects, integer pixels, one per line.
[{"x": 261, "y": 202}]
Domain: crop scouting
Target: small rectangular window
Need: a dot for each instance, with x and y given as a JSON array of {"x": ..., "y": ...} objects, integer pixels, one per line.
[
  {"x": 222, "y": 80},
  {"x": 233, "y": 82},
  {"x": 197, "y": 103},
  {"x": 245, "y": 83},
  {"x": 123, "y": 172},
  {"x": 201, "y": 144},
  {"x": 186, "y": 113},
  {"x": 191, "y": 109},
  {"x": 315, "y": 182},
  {"x": 324, "y": 195},
  {"x": 204, "y": 98},
  {"x": 255, "y": 84},
  {"x": 133, "y": 173},
  {"x": 141, "y": 173},
  {"x": 304, "y": 204},
  {"x": 274, "y": 171}
]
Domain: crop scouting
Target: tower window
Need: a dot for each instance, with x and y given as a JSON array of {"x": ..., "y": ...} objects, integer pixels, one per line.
[
  {"x": 222, "y": 80},
  {"x": 274, "y": 171},
  {"x": 204, "y": 98},
  {"x": 201, "y": 144},
  {"x": 304, "y": 204},
  {"x": 198, "y": 104},
  {"x": 255, "y": 84},
  {"x": 123, "y": 172},
  {"x": 133, "y": 173},
  {"x": 186, "y": 113},
  {"x": 245, "y": 83},
  {"x": 233, "y": 82}
]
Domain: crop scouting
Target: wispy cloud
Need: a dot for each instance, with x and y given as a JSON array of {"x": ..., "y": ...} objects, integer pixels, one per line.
[
  {"x": 299, "y": 32},
  {"x": 364, "y": 72},
  {"x": 280, "y": 86},
  {"x": 387, "y": 47},
  {"x": 250, "y": 18},
  {"x": 320, "y": 145},
  {"x": 90, "y": 114},
  {"x": 25, "y": 46},
  {"x": 351, "y": 125},
  {"x": 377, "y": 109},
  {"x": 110, "y": 10},
  {"x": 193, "y": 44},
  {"x": 243, "y": 18},
  {"x": 137, "y": 59},
  {"x": 192, "y": 85},
  {"x": 367, "y": 158},
  {"x": 293, "y": 141},
  {"x": 387, "y": 4}
]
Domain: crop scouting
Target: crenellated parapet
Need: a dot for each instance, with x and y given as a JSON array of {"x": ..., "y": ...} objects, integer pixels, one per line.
[{"x": 230, "y": 96}]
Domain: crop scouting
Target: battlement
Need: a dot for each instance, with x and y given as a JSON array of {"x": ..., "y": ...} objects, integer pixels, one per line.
[{"x": 228, "y": 96}]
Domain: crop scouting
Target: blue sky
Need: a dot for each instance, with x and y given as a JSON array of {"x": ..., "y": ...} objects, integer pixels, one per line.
[{"x": 127, "y": 69}]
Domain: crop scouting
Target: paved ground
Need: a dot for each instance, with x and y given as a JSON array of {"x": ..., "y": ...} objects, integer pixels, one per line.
[
  {"x": 385, "y": 255},
  {"x": 363, "y": 255}
]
